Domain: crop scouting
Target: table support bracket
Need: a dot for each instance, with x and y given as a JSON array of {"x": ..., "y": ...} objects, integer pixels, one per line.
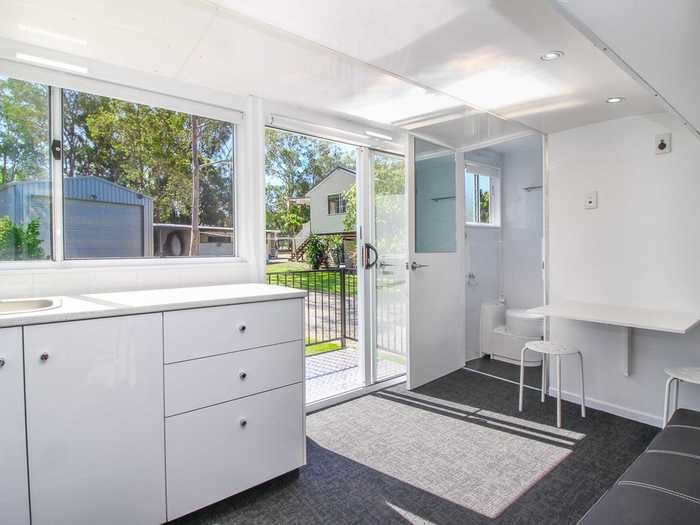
[{"x": 627, "y": 363}]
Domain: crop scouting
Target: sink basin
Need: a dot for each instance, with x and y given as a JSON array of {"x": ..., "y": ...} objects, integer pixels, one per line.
[{"x": 21, "y": 306}]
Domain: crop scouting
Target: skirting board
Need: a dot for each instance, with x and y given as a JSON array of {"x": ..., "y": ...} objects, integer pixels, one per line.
[{"x": 611, "y": 408}]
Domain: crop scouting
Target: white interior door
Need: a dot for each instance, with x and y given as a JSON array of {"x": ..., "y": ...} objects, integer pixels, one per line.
[{"x": 436, "y": 262}]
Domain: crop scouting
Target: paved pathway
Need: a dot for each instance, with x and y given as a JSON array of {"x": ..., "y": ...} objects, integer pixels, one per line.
[{"x": 333, "y": 373}]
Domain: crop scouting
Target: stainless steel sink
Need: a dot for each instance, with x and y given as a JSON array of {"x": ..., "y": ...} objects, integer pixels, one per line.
[{"x": 21, "y": 306}]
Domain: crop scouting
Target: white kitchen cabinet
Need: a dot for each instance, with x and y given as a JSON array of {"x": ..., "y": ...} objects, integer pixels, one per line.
[
  {"x": 14, "y": 496},
  {"x": 202, "y": 332},
  {"x": 203, "y": 382},
  {"x": 95, "y": 421},
  {"x": 222, "y": 450}
]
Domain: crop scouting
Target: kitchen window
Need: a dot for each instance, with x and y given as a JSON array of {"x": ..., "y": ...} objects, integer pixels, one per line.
[
  {"x": 25, "y": 171},
  {"x": 117, "y": 179}
]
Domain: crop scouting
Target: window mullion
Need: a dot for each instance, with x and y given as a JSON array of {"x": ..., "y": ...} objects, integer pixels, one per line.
[{"x": 56, "y": 108}]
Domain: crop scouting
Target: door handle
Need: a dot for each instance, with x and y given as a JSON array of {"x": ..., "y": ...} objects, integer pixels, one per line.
[
  {"x": 366, "y": 256},
  {"x": 415, "y": 265}
]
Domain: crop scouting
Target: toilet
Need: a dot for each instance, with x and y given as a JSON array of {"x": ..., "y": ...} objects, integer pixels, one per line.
[{"x": 504, "y": 332}]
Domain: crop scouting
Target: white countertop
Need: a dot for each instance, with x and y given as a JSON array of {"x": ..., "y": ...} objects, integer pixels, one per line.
[
  {"x": 657, "y": 320},
  {"x": 112, "y": 304}
]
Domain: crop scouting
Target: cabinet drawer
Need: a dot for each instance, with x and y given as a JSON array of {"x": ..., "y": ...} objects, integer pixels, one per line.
[
  {"x": 210, "y": 331},
  {"x": 211, "y": 454},
  {"x": 203, "y": 382}
]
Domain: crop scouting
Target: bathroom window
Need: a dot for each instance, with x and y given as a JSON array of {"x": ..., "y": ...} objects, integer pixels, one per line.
[
  {"x": 25, "y": 175},
  {"x": 142, "y": 181},
  {"x": 481, "y": 189}
]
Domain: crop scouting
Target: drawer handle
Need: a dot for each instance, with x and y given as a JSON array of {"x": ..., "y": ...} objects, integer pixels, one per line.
[
  {"x": 241, "y": 328},
  {"x": 243, "y": 422},
  {"x": 44, "y": 357},
  {"x": 2, "y": 362},
  {"x": 243, "y": 375}
]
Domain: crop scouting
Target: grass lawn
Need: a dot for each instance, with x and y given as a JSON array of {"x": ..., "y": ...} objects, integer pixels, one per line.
[
  {"x": 322, "y": 281},
  {"x": 321, "y": 348},
  {"x": 289, "y": 266}
]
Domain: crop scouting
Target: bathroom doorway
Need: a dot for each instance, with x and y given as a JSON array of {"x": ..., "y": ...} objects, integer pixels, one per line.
[{"x": 504, "y": 231}]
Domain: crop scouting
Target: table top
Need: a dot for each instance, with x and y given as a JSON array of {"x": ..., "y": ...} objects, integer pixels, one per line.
[{"x": 630, "y": 317}]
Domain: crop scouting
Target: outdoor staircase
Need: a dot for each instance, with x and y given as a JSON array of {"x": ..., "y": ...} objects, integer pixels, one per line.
[{"x": 300, "y": 241}]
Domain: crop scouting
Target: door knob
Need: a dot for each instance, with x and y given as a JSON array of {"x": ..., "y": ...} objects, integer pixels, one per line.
[
  {"x": 241, "y": 328},
  {"x": 243, "y": 422},
  {"x": 415, "y": 265},
  {"x": 2, "y": 362},
  {"x": 243, "y": 375},
  {"x": 44, "y": 357}
]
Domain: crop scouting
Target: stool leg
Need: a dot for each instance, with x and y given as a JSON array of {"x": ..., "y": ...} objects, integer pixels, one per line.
[
  {"x": 675, "y": 394},
  {"x": 543, "y": 384},
  {"x": 667, "y": 395},
  {"x": 559, "y": 391},
  {"x": 583, "y": 391},
  {"x": 522, "y": 379}
]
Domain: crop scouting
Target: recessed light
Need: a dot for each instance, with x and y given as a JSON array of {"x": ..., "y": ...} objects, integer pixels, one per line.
[
  {"x": 552, "y": 55},
  {"x": 378, "y": 135},
  {"x": 51, "y": 63},
  {"x": 615, "y": 100}
]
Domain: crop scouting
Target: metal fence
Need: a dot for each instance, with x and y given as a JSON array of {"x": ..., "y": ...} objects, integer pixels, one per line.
[{"x": 331, "y": 302}]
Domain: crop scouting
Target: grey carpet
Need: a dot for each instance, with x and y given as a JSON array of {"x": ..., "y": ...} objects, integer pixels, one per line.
[
  {"x": 363, "y": 469},
  {"x": 533, "y": 374}
]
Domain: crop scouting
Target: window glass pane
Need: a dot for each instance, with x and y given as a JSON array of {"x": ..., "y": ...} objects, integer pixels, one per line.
[
  {"x": 484, "y": 199},
  {"x": 469, "y": 197},
  {"x": 25, "y": 180},
  {"x": 435, "y": 198},
  {"x": 136, "y": 175}
]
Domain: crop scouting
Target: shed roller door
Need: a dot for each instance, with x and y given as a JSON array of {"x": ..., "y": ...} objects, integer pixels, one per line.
[{"x": 100, "y": 229}]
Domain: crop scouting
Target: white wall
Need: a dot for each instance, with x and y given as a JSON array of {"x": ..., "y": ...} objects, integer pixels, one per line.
[
  {"x": 641, "y": 247},
  {"x": 522, "y": 223},
  {"x": 520, "y": 263},
  {"x": 337, "y": 182},
  {"x": 481, "y": 252}
]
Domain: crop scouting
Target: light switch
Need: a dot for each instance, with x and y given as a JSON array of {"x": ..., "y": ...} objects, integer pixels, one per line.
[{"x": 590, "y": 201}]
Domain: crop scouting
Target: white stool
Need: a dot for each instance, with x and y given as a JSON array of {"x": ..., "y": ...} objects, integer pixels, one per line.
[
  {"x": 547, "y": 348},
  {"x": 689, "y": 374}
]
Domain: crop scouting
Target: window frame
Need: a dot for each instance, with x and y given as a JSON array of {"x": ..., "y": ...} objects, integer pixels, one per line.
[
  {"x": 56, "y": 82},
  {"x": 494, "y": 173},
  {"x": 342, "y": 205}
]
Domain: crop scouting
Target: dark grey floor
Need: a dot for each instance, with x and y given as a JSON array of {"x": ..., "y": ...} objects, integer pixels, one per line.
[
  {"x": 533, "y": 374},
  {"x": 333, "y": 489}
]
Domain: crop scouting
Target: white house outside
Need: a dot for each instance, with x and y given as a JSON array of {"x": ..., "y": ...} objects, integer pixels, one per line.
[{"x": 327, "y": 202}]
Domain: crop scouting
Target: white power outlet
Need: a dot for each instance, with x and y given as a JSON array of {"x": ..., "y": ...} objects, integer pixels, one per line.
[
  {"x": 590, "y": 200},
  {"x": 663, "y": 143}
]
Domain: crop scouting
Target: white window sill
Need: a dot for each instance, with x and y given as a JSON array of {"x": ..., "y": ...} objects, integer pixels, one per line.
[{"x": 180, "y": 262}]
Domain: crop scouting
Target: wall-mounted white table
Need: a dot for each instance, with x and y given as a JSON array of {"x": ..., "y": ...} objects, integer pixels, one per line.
[{"x": 624, "y": 316}]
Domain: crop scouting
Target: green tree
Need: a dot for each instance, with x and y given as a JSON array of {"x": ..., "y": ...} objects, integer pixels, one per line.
[
  {"x": 24, "y": 131},
  {"x": 293, "y": 164}
]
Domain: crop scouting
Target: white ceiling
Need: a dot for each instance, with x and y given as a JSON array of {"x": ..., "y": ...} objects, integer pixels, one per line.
[
  {"x": 482, "y": 52},
  {"x": 380, "y": 60},
  {"x": 659, "y": 41}
]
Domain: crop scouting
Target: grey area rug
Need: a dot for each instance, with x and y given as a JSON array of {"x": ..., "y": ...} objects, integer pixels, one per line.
[
  {"x": 454, "y": 451},
  {"x": 477, "y": 459}
]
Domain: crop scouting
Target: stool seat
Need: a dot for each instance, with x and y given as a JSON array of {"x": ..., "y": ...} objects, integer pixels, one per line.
[
  {"x": 548, "y": 347},
  {"x": 682, "y": 374},
  {"x": 689, "y": 374}
]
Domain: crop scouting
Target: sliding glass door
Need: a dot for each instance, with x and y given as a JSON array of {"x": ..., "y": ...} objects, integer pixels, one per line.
[{"x": 389, "y": 232}]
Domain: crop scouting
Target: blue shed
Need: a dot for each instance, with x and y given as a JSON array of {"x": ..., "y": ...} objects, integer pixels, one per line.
[{"x": 101, "y": 219}]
